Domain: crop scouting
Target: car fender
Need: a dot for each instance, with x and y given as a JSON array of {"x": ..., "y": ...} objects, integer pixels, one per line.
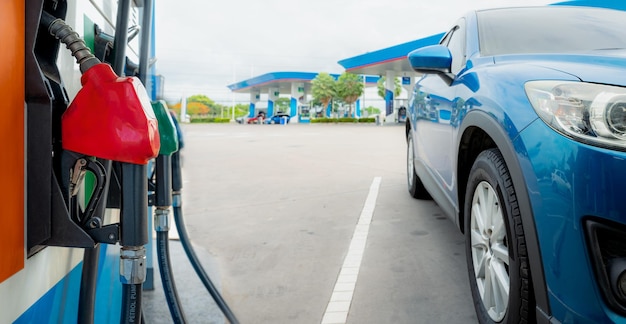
[{"x": 514, "y": 158}]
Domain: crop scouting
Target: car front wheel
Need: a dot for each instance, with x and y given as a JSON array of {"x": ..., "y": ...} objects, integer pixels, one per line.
[{"x": 495, "y": 244}]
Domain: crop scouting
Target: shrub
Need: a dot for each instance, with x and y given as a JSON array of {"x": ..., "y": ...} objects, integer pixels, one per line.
[
  {"x": 346, "y": 120},
  {"x": 323, "y": 120},
  {"x": 367, "y": 120},
  {"x": 209, "y": 120},
  {"x": 343, "y": 120}
]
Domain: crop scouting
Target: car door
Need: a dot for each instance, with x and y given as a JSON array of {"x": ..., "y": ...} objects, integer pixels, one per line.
[{"x": 437, "y": 99}]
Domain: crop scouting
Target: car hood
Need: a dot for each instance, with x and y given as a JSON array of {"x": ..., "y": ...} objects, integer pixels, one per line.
[{"x": 604, "y": 66}]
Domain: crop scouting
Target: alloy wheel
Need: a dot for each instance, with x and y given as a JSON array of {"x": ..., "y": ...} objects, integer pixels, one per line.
[
  {"x": 490, "y": 251},
  {"x": 409, "y": 161}
]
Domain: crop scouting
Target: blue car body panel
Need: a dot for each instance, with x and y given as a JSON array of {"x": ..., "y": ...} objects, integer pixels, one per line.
[
  {"x": 596, "y": 190},
  {"x": 500, "y": 101},
  {"x": 588, "y": 67},
  {"x": 488, "y": 93}
]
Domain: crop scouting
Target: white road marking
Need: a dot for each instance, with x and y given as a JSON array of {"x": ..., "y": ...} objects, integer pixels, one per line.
[{"x": 341, "y": 298}]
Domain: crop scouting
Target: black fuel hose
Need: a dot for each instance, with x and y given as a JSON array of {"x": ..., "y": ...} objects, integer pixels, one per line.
[
  {"x": 88, "y": 282},
  {"x": 133, "y": 238},
  {"x": 195, "y": 262},
  {"x": 167, "y": 278},
  {"x": 60, "y": 30},
  {"x": 131, "y": 297}
]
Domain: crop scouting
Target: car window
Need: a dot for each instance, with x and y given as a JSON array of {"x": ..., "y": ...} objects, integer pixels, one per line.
[{"x": 550, "y": 30}]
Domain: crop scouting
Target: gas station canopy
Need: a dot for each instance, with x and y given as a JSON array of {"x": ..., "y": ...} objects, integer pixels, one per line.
[
  {"x": 280, "y": 80},
  {"x": 387, "y": 59}
]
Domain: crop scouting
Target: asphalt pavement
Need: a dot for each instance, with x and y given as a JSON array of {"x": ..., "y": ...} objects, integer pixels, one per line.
[{"x": 312, "y": 223}]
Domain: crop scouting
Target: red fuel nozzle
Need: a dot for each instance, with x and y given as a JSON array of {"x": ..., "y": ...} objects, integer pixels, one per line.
[{"x": 111, "y": 118}]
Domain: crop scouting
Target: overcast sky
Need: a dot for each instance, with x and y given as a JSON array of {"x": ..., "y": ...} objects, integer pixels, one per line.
[{"x": 203, "y": 46}]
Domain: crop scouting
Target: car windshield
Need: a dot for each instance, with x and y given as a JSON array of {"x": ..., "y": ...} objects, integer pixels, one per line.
[{"x": 550, "y": 30}]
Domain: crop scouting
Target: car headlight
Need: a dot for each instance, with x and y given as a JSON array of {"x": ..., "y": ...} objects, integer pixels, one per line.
[{"x": 592, "y": 113}]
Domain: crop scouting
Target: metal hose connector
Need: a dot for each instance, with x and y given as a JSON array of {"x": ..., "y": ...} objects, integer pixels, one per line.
[
  {"x": 132, "y": 265},
  {"x": 62, "y": 31},
  {"x": 161, "y": 219}
]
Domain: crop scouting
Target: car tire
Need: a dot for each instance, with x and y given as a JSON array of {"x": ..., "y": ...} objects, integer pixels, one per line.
[
  {"x": 495, "y": 244},
  {"x": 416, "y": 187}
]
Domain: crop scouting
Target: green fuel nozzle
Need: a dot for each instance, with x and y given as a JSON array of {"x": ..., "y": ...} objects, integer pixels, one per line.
[{"x": 167, "y": 129}]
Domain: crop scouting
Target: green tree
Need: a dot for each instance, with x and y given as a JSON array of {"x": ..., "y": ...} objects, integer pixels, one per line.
[
  {"x": 381, "y": 87},
  {"x": 197, "y": 108},
  {"x": 201, "y": 99},
  {"x": 323, "y": 89},
  {"x": 349, "y": 88},
  {"x": 214, "y": 108}
]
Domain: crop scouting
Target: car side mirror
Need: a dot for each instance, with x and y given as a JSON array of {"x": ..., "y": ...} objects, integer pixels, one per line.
[{"x": 431, "y": 59}]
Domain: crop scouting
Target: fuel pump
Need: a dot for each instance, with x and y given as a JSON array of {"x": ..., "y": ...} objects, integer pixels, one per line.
[{"x": 110, "y": 118}]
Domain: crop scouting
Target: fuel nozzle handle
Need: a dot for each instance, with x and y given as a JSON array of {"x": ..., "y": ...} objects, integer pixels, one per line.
[
  {"x": 134, "y": 211},
  {"x": 163, "y": 183},
  {"x": 177, "y": 176},
  {"x": 163, "y": 164}
]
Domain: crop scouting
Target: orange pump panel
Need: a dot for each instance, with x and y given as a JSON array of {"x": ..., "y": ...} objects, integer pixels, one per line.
[{"x": 12, "y": 137}]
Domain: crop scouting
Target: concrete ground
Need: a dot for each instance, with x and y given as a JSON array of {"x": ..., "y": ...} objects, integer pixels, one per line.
[{"x": 274, "y": 209}]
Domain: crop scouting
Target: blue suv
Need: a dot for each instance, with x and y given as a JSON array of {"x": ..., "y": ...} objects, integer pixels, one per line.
[{"x": 517, "y": 129}]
